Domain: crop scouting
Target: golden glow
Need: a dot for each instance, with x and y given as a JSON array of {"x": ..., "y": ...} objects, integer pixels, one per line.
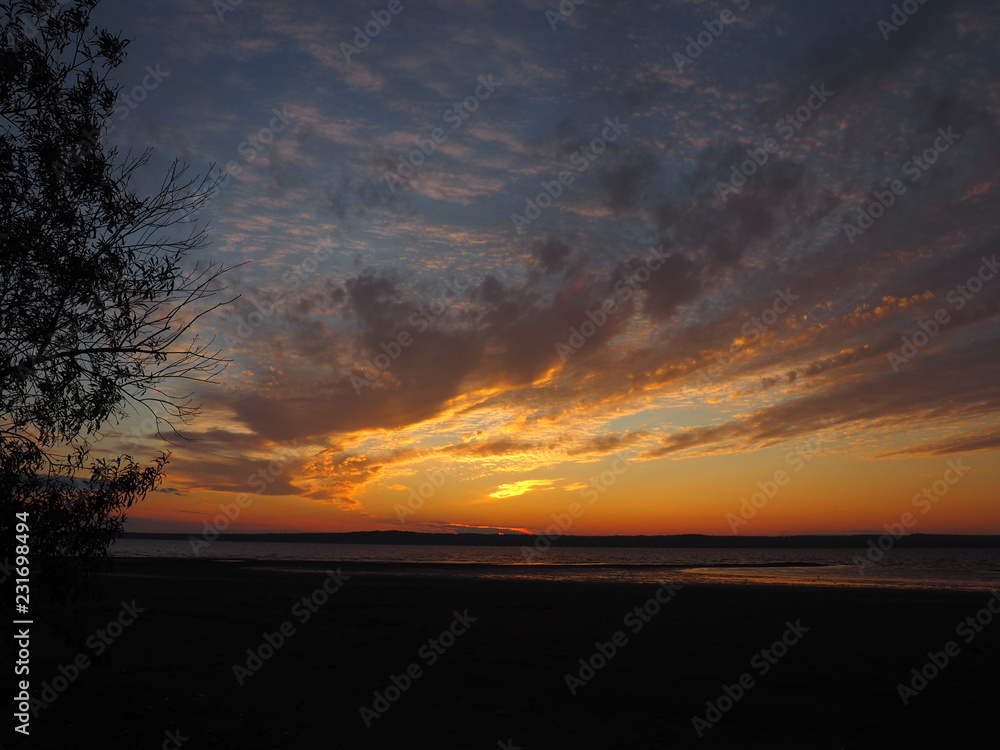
[{"x": 513, "y": 489}]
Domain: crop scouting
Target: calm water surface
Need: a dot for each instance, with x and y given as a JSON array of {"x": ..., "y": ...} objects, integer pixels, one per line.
[{"x": 966, "y": 569}]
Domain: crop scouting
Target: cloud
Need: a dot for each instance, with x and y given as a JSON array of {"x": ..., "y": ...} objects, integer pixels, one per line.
[
  {"x": 432, "y": 329},
  {"x": 988, "y": 439},
  {"x": 513, "y": 489},
  {"x": 607, "y": 444}
]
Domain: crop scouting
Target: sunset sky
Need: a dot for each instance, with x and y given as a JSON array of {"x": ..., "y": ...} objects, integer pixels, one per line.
[{"x": 714, "y": 295}]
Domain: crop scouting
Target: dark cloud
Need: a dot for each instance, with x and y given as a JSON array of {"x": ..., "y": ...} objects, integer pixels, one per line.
[
  {"x": 314, "y": 369},
  {"x": 984, "y": 440},
  {"x": 607, "y": 443},
  {"x": 936, "y": 385},
  {"x": 624, "y": 183},
  {"x": 235, "y": 473},
  {"x": 552, "y": 255}
]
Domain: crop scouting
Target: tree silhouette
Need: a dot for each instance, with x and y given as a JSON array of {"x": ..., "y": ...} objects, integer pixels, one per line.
[{"x": 98, "y": 297}]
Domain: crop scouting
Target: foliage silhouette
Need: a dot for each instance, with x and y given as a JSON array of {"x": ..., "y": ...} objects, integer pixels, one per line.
[{"x": 99, "y": 297}]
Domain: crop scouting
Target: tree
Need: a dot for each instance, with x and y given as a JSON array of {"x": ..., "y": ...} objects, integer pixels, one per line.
[{"x": 98, "y": 299}]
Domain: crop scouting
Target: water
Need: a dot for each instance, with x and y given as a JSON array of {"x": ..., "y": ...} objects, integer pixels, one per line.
[{"x": 956, "y": 569}]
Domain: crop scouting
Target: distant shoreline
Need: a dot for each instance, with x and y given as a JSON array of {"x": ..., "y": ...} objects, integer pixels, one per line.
[{"x": 695, "y": 541}]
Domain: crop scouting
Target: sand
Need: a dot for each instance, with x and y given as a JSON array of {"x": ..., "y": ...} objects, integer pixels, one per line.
[{"x": 481, "y": 662}]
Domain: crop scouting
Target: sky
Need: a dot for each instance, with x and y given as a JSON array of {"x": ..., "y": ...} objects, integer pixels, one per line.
[{"x": 701, "y": 266}]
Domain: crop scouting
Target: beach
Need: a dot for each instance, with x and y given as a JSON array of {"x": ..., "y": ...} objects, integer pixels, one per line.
[{"x": 208, "y": 654}]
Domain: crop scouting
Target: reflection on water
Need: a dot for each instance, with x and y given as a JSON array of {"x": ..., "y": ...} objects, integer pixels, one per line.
[{"x": 970, "y": 569}]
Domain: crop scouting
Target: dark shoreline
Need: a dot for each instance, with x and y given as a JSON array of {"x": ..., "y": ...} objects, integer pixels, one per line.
[
  {"x": 172, "y": 669},
  {"x": 780, "y": 574}
]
